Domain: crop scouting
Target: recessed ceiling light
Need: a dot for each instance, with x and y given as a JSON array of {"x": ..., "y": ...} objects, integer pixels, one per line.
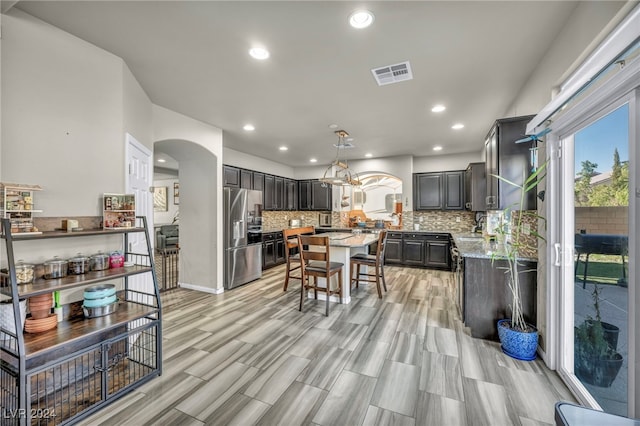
[
  {"x": 361, "y": 19},
  {"x": 249, "y": 127},
  {"x": 349, "y": 139},
  {"x": 161, "y": 160},
  {"x": 457, "y": 126},
  {"x": 437, "y": 148},
  {"x": 333, "y": 126},
  {"x": 313, "y": 160},
  {"x": 438, "y": 108},
  {"x": 259, "y": 53},
  {"x": 283, "y": 148},
  {"x": 368, "y": 155}
]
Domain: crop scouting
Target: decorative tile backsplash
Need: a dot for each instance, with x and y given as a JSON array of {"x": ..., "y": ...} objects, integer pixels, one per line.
[{"x": 443, "y": 221}]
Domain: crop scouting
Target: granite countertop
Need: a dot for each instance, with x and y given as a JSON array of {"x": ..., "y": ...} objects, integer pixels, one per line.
[{"x": 474, "y": 245}]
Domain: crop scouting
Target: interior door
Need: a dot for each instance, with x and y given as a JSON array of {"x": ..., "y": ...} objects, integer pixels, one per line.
[{"x": 138, "y": 181}]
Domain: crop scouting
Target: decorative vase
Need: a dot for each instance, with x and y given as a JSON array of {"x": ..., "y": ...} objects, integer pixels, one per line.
[{"x": 518, "y": 344}]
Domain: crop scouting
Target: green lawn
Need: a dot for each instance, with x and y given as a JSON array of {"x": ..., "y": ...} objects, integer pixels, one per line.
[{"x": 603, "y": 269}]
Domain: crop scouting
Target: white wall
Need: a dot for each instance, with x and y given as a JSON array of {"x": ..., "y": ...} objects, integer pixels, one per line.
[
  {"x": 62, "y": 122},
  {"x": 251, "y": 162},
  {"x": 586, "y": 22},
  {"x": 443, "y": 163},
  {"x": 137, "y": 120},
  {"x": 197, "y": 147}
]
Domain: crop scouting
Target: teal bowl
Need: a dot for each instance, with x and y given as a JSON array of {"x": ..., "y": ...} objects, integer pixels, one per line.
[
  {"x": 96, "y": 303},
  {"x": 99, "y": 291}
]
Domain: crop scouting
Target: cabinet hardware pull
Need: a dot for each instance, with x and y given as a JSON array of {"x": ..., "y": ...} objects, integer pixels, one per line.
[{"x": 558, "y": 251}]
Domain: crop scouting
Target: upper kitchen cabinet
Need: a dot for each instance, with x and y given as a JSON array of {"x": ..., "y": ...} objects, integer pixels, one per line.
[
  {"x": 290, "y": 194},
  {"x": 509, "y": 160},
  {"x": 269, "y": 193},
  {"x": 438, "y": 191},
  {"x": 258, "y": 181},
  {"x": 231, "y": 177},
  {"x": 312, "y": 195},
  {"x": 246, "y": 179},
  {"x": 475, "y": 187}
]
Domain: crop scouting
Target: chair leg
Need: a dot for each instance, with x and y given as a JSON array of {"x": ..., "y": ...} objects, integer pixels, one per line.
[
  {"x": 326, "y": 304},
  {"x": 286, "y": 278},
  {"x": 302, "y": 288},
  {"x": 358, "y": 276},
  {"x": 384, "y": 282},
  {"x": 378, "y": 282},
  {"x": 340, "y": 285}
]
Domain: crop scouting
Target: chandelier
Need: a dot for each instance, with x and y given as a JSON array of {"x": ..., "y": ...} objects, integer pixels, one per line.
[{"x": 338, "y": 172}]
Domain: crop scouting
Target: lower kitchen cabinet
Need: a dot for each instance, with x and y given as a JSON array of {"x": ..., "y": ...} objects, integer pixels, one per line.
[
  {"x": 486, "y": 295},
  {"x": 422, "y": 249},
  {"x": 272, "y": 249},
  {"x": 393, "y": 249}
]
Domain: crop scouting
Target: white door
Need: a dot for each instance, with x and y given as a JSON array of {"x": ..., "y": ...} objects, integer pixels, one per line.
[{"x": 138, "y": 181}]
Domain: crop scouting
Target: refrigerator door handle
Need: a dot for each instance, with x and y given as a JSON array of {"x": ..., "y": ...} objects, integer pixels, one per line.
[{"x": 238, "y": 229}]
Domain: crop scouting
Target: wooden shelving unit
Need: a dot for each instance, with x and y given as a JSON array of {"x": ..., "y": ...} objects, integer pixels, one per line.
[{"x": 41, "y": 373}]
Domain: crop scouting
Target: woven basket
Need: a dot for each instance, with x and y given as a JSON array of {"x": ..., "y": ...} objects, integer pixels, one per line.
[{"x": 7, "y": 319}]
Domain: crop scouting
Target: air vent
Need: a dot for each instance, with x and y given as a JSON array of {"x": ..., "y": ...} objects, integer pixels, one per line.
[
  {"x": 344, "y": 145},
  {"x": 392, "y": 73}
]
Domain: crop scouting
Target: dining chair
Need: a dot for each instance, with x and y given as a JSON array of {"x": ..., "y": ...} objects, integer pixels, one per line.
[
  {"x": 291, "y": 255},
  {"x": 315, "y": 261},
  {"x": 371, "y": 261}
]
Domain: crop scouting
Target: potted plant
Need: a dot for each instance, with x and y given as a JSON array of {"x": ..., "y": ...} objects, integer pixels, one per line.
[
  {"x": 518, "y": 234},
  {"x": 596, "y": 360}
]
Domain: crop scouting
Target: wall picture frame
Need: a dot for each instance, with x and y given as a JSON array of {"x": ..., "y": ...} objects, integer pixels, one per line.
[
  {"x": 160, "y": 199},
  {"x": 176, "y": 193}
]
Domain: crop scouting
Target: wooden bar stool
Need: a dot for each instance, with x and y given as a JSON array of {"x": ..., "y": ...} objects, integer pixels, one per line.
[
  {"x": 315, "y": 262},
  {"x": 291, "y": 255},
  {"x": 372, "y": 261}
]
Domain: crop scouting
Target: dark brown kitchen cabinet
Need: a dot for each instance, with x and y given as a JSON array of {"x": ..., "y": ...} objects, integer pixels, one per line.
[
  {"x": 393, "y": 249},
  {"x": 438, "y": 252},
  {"x": 313, "y": 195},
  {"x": 246, "y": 179},
  {"x": 422, "y": 249},
  {"x": 453, "y": 190},
  {"x": 278, "y": 195},
  {"x": 509, "y": 160},
  {"x": 321, "y": 195},
  {"x": 439, "y": 190},
  {"x": 427, "y": 189},
  {"x": 290, "y": 194},
  {"x": 269, "y": 193},
  {"x": 475, "y": 187},
  {"x": 413, "y": 250},
  {"x": 272, "y": 249},
  {"x": 231, "y": 176},
  {"x": 258, "y": 182}
]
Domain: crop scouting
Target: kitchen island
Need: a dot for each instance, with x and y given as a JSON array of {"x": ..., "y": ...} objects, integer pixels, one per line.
[
  {"x": 483, "y": 294},
  {"x": 342, "y": 246}
]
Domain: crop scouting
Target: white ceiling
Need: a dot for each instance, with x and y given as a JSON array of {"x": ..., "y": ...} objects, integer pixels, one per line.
[{"x": 191, "y": 57}]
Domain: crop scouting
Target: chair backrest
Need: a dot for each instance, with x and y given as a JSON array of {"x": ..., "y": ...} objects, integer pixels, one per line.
[
  {"x": 293, "y": 232},
  {"x": 382, "y": 242},
  {"x": 313, "y": 247}
]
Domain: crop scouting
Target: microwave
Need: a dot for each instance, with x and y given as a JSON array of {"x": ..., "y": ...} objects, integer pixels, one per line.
[{"x": 324, "y": 219}]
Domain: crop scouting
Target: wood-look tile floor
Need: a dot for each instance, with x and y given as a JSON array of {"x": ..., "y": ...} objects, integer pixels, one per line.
[{"x": 248, "y": 356}]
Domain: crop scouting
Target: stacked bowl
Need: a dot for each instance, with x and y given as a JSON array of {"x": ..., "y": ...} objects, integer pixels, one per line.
[{"x": 100, "y": 300}]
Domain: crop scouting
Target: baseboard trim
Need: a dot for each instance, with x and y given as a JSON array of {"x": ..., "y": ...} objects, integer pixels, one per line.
[{"x": 201, "y": 288}]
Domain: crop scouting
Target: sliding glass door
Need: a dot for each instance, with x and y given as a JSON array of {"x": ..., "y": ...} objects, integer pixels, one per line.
[{"x": 600, "y": 271}]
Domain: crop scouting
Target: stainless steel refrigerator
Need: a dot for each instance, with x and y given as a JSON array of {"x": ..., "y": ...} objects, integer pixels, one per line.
[{"x": 242, "y": 236}]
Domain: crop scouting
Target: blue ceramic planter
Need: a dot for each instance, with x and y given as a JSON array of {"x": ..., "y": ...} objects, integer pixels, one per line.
[{"x": 517, "y": 344}]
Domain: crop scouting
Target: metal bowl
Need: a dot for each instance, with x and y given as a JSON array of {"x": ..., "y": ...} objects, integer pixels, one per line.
[
  {"x": 99, "y": 291},
  {"x": 100, "y": 311}
]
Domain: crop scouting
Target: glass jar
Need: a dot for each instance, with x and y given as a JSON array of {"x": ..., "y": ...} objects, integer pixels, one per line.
[
  {"x": 78, "y": 265},
  {"x": 25, "y": 273}
]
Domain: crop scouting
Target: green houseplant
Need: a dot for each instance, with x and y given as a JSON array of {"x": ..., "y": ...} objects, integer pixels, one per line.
[
  {"x": 596, "y": 360},
  {"x": 518, "y": 234}
]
